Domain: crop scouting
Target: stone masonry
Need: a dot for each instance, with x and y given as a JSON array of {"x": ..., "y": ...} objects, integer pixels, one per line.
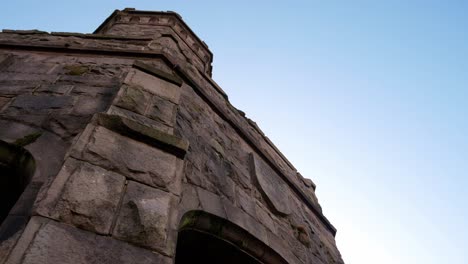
[{"x": 130, "y": 142}]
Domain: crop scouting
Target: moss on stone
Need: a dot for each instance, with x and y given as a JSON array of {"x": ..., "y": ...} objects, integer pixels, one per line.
[
  {"x": 28, "y": 139},
  {"x": 189, "y": 220},
  {"x": 76, "y": 69}
]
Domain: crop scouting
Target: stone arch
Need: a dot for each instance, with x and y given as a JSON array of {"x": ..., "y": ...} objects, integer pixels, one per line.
[
  {"x": 17, "y": 167},
  {"x": 222, "y": 236}
]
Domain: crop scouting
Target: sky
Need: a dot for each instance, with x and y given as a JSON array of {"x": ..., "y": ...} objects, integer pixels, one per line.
[{"x": 366, "y": 98}]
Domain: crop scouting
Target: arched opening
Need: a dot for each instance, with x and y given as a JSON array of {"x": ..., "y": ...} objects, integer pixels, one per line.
[
  {"x": 206, "y": 238},
  {"x": 16, "y": 169},
  {"x": 200, "y": 247}
]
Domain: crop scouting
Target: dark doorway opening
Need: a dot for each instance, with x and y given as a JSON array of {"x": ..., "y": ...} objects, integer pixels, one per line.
[
  {"x": 16, "y": 169},
  {"x": 199, "y": 247},
  {"x": 207, "y": 238}
]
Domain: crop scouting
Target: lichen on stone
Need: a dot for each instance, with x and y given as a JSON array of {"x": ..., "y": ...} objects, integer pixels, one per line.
[{"x": 76, "y": 69}]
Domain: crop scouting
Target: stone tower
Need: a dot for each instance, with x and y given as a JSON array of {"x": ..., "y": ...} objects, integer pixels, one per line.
[{"x": 118, "y": 147}]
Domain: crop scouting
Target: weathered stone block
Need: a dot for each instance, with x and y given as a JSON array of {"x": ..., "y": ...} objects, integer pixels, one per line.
[
  {"x": 87, "y": 105},
  {"x": 54, "y": 89},
  {"x": 143, "y": 133},
  {"x": 211, "y": 202},
  {"x": 66, "y": 126},
  {"x": 263, "y": 216},
  {"x": 15, "y": 89},
  {"x": 114, "y": 110},
  {"x": 281, "y": 247},
  {"x": 134, "y": 99},
  {"x": 38, "y": 102},
  {"x": 272, "y": 186},
  {"x": 59, "y": 243},
  {"x": 90, "y": 198},
  {"x": 245, "y": 201},
  {"x": 154, "y": 85},
  {"x": 94, "y": 90},
  {"x": 4, "y": 101},
  {"x": 26, "y": 77},
  {"x": 245, "y": 221},
  {"x": 133, "y": 159},
  {"x": 88, "y": 79},
  {"x": 163, "y": 111},
  {"x": 188, "y": 200},
  {"x": 143, "y": 219}
]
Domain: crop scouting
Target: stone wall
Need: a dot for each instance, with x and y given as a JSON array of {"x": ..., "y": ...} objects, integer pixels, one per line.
[{"x": 131, "y": 137}]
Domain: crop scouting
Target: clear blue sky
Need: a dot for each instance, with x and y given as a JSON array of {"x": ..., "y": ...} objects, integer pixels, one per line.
[{"x": 367, "y": 99}]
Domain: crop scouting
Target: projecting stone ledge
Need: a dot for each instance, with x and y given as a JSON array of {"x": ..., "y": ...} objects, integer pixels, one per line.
[{"x": 148, "y": 135}]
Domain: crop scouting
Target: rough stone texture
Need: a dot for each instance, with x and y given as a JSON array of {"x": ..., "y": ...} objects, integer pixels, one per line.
[
  {"x": 131, "y": 158},
  {"x": 42, "y": 102},
  {"x": 133, "y": 99},
  {"x": 154, "y": 85},
  {"x": 90, "y": 198},
  {"x": 131, "y": 134},
  {"x": 144, "y": 217},
  {"x": 272, "y": 186},
  {"x": 58, "y": 243}
]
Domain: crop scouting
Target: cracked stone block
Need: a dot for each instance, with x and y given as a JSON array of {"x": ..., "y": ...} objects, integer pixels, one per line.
[
  {"x": 59, "y": 243},
  {"x": 95, "y": 210},
  {"x": 144, "y": 216},
  {"x": 133, "y": 159}
]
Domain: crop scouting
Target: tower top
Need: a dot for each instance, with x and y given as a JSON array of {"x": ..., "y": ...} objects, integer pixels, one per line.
[{"x": 156, "y": 24}]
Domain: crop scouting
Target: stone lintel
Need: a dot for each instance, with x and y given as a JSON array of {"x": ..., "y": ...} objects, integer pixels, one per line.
[{"x": 142, "y": 133}]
